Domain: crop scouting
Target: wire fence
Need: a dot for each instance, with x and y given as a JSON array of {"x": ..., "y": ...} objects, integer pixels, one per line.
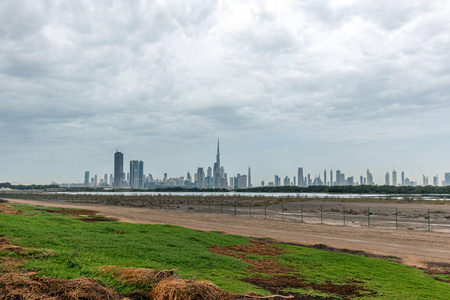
[{"x": 343, "y": 213}]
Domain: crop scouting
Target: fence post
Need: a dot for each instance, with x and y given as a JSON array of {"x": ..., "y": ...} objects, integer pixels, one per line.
[
  {"x": 187, "y": 202},
  {"x": 396, "y": 218},
  {"x": 282, "y": 211},
  {"x": 321, "y": 219},
  {"x": 301, "y": 212},
  {"x": 221, "y": 206},
  {"x": 429, "y": 224},
  {"x": 234, "y": 207},
  {"x": 344, "y": 215},
  {"x": 265, "y": 209},
  {"x": 368, "y": 216}
]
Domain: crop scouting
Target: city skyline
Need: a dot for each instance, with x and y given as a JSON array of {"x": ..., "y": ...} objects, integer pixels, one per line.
[
  {"x": 216, "y": 177},
  {"x": 342, "y": 84}
]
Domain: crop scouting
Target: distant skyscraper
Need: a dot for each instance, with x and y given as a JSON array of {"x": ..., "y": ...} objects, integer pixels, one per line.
[
  {"x": 394, "y": 177},
  {"x": 331, "y": 177},
  {"x": 111, "y": 179},
  {"x": 338, "y": 177},
  {"x": 447, "y": 179},
  {"x": 200, "y": 178},
  {"x": 369, "y": 178},
  {"x": 325, "y": 177},
  {"x": 188, "y": 177},
  {"x": 118, "y": 169},
  {"x": 435, "y": 180},
  {"x": 249, "y": 177},
  {"x": 386, "y": 179},
  {"x": 216, "y": 171},
  {"x": 403, "y": 178},
  {"x": 136, "y": 174},
  {"x": 95, "y": 181},
  {"x": 86, "y": 178},
  {"x": 301, "y": 183}
]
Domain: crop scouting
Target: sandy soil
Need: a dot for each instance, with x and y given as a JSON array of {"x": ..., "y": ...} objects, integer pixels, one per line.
[{"x": 428, "y": 250}]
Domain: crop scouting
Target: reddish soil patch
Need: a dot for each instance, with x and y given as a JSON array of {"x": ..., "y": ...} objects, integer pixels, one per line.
[
  {"x": 277, "y": 283},
  {"x": 266, "y": 266},
  {"x": 256, "y": 247},
  {"x": 285, "y": 277}
]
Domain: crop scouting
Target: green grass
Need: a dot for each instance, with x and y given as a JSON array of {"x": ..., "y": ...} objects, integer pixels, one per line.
[{"x": 79, "y": 248}]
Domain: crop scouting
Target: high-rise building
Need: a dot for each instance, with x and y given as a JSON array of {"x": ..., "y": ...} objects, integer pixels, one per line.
[
  {"x": 95, "y": 181},
  {"x": 137, "y": 174},
  {"x": 200, "y": 178},
  {"x": 403, "y": 178},
  {"x": 86, "y": 178},
  {"x": 216, "y": 171},
  {"x": 331, "y": 177},
  {"x": 436, "y": 180},
  {"x": 301, "y": 183},
  {"x": 447, "y": 179},
  {"x": 249, "y": 178},
  {"x": 324, "y": 176},
  {"x": 118, "y": 169},
  {"x": 386, "y": 179},
  {"x": 338, "y": 177},
  {"x": 105, "y": 180},
  {"x": 188, "y": 177},
  {"x": 394, "y": 177},
  {"x": 111, "y": 179},
  {"x": 369, "y": 178}
]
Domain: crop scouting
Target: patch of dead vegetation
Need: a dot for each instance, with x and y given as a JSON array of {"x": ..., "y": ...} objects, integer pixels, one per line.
[
  {"x": 5, "y": 245},
  {"x": 138, "y": 276},
  {"x": 7, "y": 209},
  {"x": 11, "y": 264},
  {"x": 181, "y": 289},
  {"x": 85, "y": 215},
  {"x": 29, "y": 286}
]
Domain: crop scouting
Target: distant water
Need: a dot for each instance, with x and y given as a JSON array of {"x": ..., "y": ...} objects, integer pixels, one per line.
[{"x": 279, "y": 195}]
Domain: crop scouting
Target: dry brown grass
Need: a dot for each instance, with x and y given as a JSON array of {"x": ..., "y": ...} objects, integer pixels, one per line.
[
  {"x": 5, "y": 245},
  {"x": 9, "y": 210},
  {"x": 29, "y": 286},
  {"x": 11, "y": 264},
  {"x": 138, "y": 276},
  {"x": 180, "y": 289}
]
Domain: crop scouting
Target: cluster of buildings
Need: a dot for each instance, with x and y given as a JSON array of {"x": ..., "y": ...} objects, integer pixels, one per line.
[{"x": 216, "y": 177}]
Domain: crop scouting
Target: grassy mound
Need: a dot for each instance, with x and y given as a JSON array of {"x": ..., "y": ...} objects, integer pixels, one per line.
[{"x": 60, "y": 246}]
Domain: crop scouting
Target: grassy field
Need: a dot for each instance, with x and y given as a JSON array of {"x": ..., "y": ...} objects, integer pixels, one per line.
[{"x": 70, "y": 248}]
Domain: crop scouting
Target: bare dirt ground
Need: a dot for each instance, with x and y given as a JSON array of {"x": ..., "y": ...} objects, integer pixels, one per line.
[{"x": 422, "y": 249}]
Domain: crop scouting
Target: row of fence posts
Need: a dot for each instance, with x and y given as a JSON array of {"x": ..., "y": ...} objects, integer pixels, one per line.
[
  {"x": 265, "y": 210},
  {"x": 301, "y": 212}
]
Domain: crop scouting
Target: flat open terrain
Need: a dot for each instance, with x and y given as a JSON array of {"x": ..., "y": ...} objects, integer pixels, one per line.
[{"x": 428, "y": 250}]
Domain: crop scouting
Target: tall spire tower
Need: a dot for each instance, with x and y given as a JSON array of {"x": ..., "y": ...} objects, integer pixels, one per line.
[
  {"x": 218, "y": 154},
  {"x": 216, "y": 172}
]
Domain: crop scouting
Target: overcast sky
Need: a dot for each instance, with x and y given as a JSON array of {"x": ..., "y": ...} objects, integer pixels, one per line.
[{"x": 347, "y": 85}]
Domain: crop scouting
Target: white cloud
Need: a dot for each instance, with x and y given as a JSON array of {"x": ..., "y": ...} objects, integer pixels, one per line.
[{"x": 99, "y": 75}]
